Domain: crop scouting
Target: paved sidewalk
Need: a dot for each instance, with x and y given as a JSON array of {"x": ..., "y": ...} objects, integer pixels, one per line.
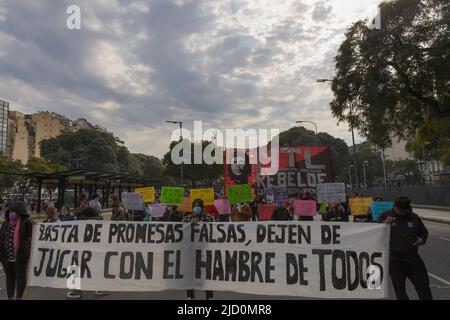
[{"x": 440, "y": 216}]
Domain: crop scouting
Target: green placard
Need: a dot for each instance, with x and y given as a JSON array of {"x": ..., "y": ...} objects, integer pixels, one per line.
[
  {"x": 323, "y": 207},
  {"x": 172, "y": 195},
  {"x": 239, "y": 193}
]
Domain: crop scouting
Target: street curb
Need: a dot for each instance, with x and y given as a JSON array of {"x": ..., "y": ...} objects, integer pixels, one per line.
[
  {"x": 438, "y": 220},
  {"x": 418, "y": 206}
]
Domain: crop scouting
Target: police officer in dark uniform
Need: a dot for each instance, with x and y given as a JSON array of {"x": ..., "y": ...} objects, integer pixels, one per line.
[{"x": 407, "y": 234}]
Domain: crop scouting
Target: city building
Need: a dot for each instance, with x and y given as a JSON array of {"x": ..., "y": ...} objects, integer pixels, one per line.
[
  {"x": 398, "y": 151},
  {"x": 4, "y": 110},
  {"x": 21, "y": 137},
  {"x": 22, "y": 134}
]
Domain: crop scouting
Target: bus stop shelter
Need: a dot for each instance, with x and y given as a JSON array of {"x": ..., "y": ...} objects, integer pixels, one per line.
[{"x": 90, "y": 181}]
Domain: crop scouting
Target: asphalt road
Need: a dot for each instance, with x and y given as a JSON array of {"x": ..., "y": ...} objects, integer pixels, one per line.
[{"x": 436, "y": 254}]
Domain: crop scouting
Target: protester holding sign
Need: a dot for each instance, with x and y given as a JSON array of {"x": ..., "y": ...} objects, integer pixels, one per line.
[
  {"x": 281, "y": 214},
  {"x": 148, "y": 212},
  {"x": 335, "y": 213},
  {"x": 198, "y": 215},
  {"x": 408, "y": 233},
  {"x": 306, "y": 196},
  {"x": 359, "y": 208},
  {"x": 119, "y": 213},
  {"x": 15, "y": 249},
  {"x": 241, "y": 212},
  {"x": 172, "y": 214}
]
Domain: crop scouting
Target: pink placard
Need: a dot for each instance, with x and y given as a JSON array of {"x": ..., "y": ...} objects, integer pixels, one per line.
[
  {"x": 265, "y": 211},
  {"x": 305, "y": 208},
  {"x": 158, "y": 210},
  {"x": 222, "y": 206}
]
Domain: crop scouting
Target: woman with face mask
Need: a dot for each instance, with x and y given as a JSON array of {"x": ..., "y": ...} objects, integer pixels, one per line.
[
  {"x": 65, "y": 215},
  {"x": 198, "y": 215},
  {"x": 15, "y": 249}
]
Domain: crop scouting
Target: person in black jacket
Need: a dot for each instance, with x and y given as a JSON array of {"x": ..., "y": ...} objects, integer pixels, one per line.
[
  {"x": 15, "y": 249},
  {"x": 408, "y": 233}
]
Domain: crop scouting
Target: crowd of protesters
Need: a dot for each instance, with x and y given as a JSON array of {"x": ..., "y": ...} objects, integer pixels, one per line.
[{"x": 407, "y": 233}]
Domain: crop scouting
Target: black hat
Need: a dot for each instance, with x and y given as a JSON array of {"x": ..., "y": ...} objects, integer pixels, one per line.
[
  {"x": 402, "y": 203},
  {"x": 18, "y": 207}
]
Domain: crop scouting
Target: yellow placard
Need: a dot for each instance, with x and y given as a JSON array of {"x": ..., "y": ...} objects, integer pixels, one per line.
[
  {"x": 148, "y": 194},
  {"x": 360, "y": 206},
  {"x": 207, "y": 195}
]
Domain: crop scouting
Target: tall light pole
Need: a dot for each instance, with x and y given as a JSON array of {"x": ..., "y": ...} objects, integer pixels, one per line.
[
  {"x": 383, "y": 158},
  {"x": 364, "y": 171},
  {"x": 315, "y": 125},
  {"x": 181, "y": 140},
  {"x": 353, "y": 138},
  {"x": 350, "y": 174}
]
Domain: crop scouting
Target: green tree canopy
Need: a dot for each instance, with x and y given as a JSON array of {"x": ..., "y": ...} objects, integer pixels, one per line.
[
  {"x": 40, "y": 165},
  {"x": 89, "y": 149},
  {"x": 9, "y": 166},
  {"x": 194, "y": 173},
  {"x": 395, "y": 82}
]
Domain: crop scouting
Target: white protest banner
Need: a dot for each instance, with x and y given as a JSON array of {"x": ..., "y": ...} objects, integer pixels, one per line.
[
  {"x": 318, "y": 260},
  {"x": 331, "y": 192},
  {"x": 132, "y": 201}
]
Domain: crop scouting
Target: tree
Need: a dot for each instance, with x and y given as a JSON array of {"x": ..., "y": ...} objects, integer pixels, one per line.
[
  {"x": 394, "y": 82},
  {"x": 8, "y": 168},
  {"x": 366, "y": 153},
  {"x": 406, "y": 172},
  {"x": 89, "y": 149},
  {"x": 300, "y": 136},
  {"x": 195, "y": 173},
  {"x": 40, "y": 165},
  {"x": 149, "y": 167}
]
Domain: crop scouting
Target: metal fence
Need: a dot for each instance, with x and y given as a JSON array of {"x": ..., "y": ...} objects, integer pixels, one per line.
[{"x": 432, "y": 195}]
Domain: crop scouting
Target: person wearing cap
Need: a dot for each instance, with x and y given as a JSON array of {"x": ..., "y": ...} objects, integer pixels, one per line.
[
  {"x": 198, "y": 215},
  {"x": 15, "y": 249},
  {"x": 408, "y": 233}
]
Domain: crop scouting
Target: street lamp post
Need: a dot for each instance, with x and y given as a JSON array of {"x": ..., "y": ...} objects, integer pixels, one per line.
[
  {"x": 181, "y": 140},
  {"x": 315, "y": 125},
  {"x": 353, "y": 139},
  {"x": 383, "y": 158},
  {"x": 364, "y": 172},
  {"x": 350, "y": 174}
]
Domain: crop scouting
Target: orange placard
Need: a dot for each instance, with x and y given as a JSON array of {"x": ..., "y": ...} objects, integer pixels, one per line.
[{"x": 186, "y": 206}]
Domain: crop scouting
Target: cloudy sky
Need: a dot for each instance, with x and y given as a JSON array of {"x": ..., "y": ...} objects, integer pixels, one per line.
[{"x": 134, "y": 64}]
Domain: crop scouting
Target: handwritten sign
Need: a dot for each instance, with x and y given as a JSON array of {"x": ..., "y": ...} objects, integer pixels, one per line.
[
  {"x": 378, "y": 207},
  {"x": 360, "y": 206},
  {"x": 265, "y": 211},
  {"x": 222, "y": 206},
  {"x": 239, "y": 193},
  {"x": 158, "y": 210},
  {"x": 331, "y": 192},
  {"x": 132, "y": 201},
  {"x": 305, "y": 208},
  {"x": 207, "y": 195},
  {"x": 172, "y": 196},
  {"x": 148, "y": 194}
]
